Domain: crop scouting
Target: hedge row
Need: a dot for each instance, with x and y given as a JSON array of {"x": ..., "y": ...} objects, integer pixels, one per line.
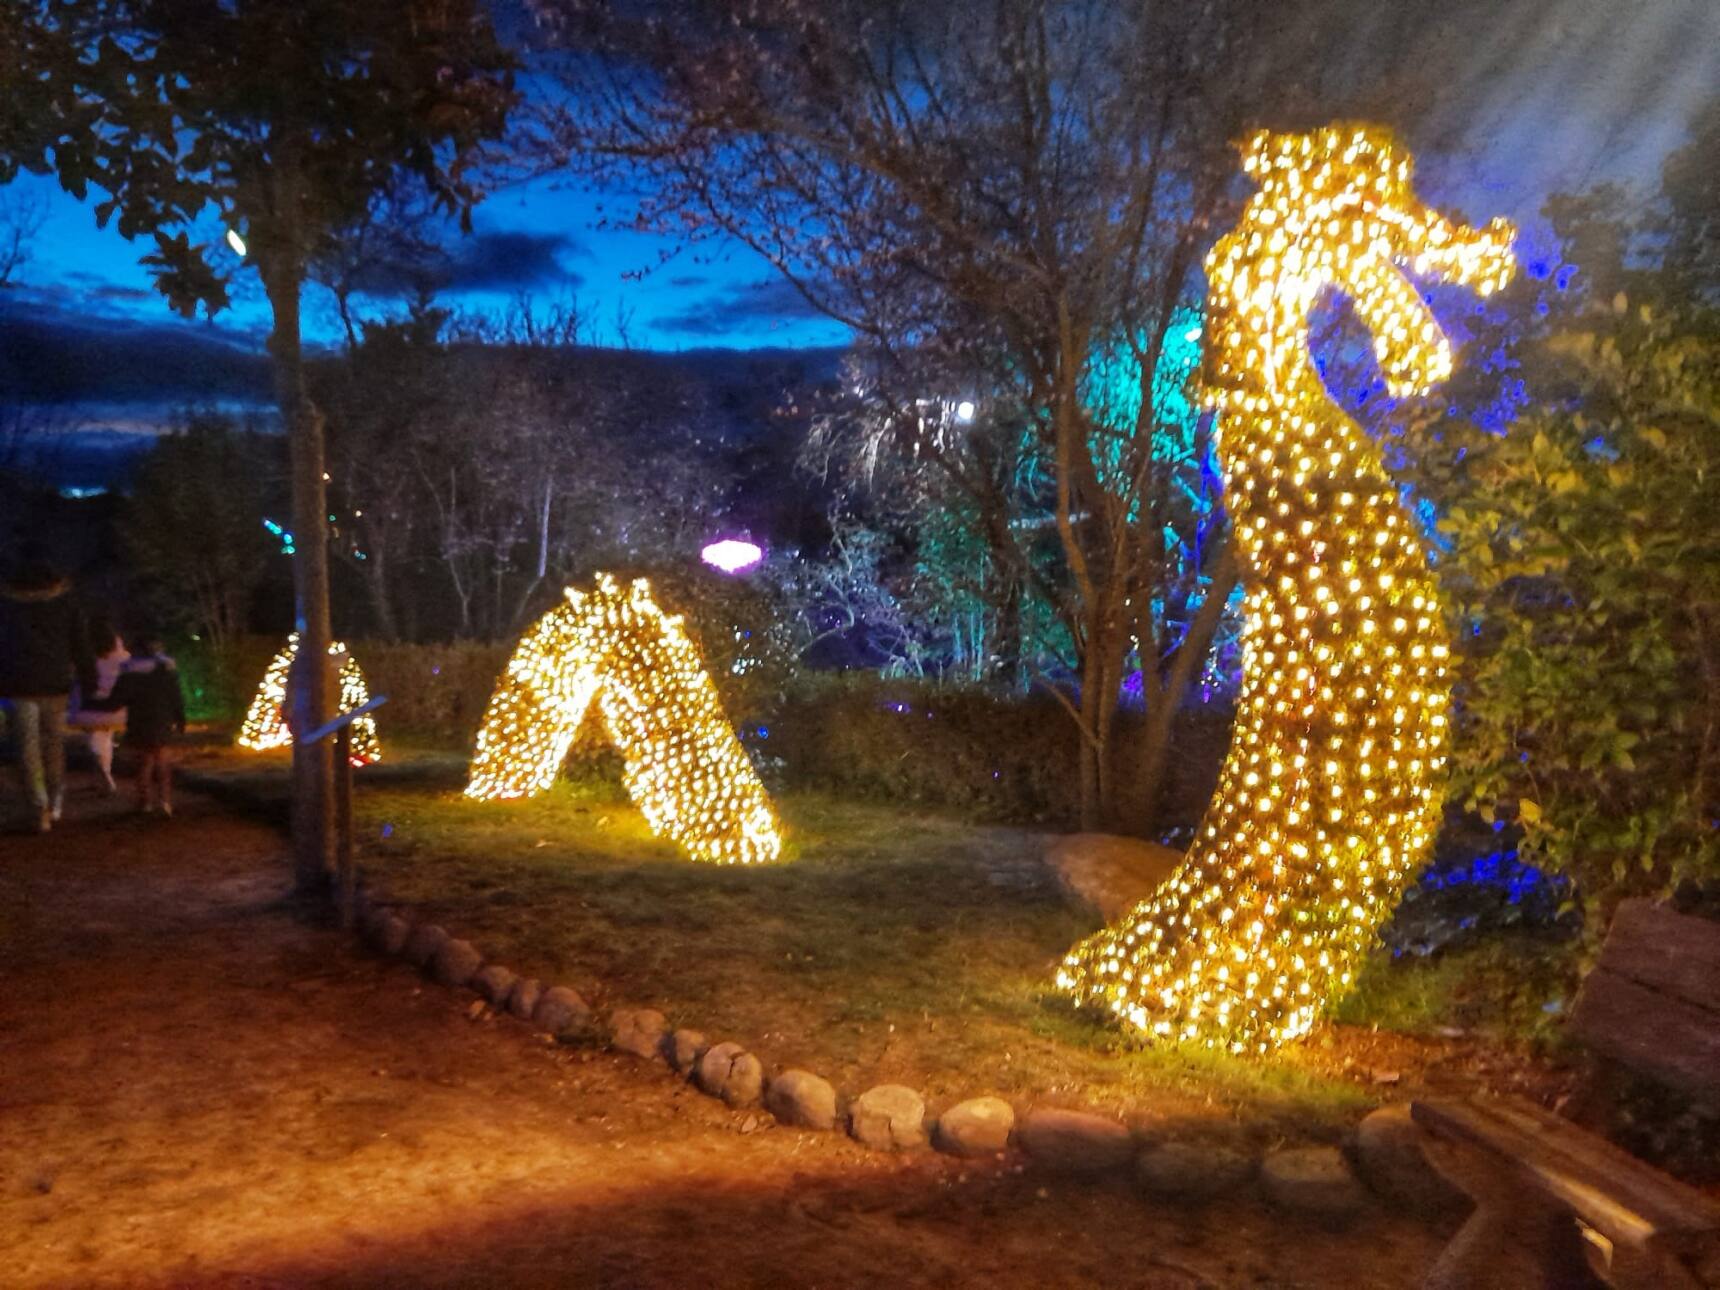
[{"x": 852, "y": 733}]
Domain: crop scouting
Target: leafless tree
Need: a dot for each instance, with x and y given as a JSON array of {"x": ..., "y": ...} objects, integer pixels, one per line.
[
  {"x": 1007, "y": 202},
  {"x": 21, "y": 218}
]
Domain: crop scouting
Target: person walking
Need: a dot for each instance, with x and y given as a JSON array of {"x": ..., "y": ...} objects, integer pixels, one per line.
[
  {"x": 44, "y": 648},
  {"x": 149, "y": 691},
  {"x": 90, "y": 712}
]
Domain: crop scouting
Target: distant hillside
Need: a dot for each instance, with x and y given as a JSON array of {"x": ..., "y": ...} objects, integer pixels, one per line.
[
  {"x": 97, "y": 389},
  {"x": 50, "y": 358}
]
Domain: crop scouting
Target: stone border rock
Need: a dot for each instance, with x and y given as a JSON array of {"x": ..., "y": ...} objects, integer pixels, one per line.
[{"x": 1383, "y": 1158}]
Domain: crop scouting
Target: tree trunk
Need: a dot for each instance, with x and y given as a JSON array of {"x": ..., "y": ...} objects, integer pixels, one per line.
[
  {"x": 313, "y": 766},
  {"x": 1003, "y": 662},
  {"x": 376, "y": 583},
  {"x": 1153, "y": 754}
]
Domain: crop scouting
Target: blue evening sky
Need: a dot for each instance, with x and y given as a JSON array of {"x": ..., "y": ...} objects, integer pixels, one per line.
[{"x": 1601, "y": 89}]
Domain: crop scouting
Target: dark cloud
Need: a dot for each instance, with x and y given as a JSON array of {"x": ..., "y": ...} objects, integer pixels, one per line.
[
  {"x": 496, "y": 261},
  {"x": 55, "y": 355},
  {"x": 112, "y": 291},
  {"x": 687, "y": 280},
  {"x": 773, "y": 302}
]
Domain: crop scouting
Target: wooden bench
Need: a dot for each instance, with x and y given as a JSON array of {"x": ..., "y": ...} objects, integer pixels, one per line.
[{"x": 1543, "y": 1184}]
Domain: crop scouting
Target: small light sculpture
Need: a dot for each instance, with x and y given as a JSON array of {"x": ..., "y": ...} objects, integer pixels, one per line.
[
  {"x": 683, "y": 766},
  {"x": 732, "y": 555},
  {"x": 265, "y": 724},
  {"x": 1327, "y": 802}
]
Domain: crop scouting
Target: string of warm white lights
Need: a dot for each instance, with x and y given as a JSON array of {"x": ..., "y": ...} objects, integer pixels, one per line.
[
  {"x": 683, "y": 765},
  {"x": 265, "y": 724},
  {"x": 1328, "y": 800}
]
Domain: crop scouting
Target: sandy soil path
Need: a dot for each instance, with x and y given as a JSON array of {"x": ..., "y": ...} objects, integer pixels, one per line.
[{"x": 198, "y": 1090}]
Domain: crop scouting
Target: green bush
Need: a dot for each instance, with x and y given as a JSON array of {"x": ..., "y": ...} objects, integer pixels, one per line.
[
  {"x": 218, "y": 685},
  {"x": 854, "y": 734},
  {"x": 964, "y": 749},
  {"x": 436, "y": 693},
  {"x": 1583, "y": 570}
]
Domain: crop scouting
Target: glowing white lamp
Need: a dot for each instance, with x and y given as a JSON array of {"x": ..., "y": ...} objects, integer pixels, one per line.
[
  {"x": 732, "y": 555},
  {"x": 236, "y": 242},
  {"x": 965, "y": 411}
]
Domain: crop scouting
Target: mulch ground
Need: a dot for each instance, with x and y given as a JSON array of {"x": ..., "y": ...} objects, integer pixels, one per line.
[{"x": 199, "y": 1089}]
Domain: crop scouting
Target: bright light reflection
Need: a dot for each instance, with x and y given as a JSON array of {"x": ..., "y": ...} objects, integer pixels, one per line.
[{"x": 731, "y": 555}]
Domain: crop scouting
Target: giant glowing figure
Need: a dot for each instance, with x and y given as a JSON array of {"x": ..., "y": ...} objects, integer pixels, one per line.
[
  {"x": 683, "y": 765},
  {"x": 1329, "y": 797},
  {"x": 265, "y": 723}
]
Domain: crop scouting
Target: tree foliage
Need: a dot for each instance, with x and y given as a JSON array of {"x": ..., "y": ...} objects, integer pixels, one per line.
[
  {"x": 1584, "y": 559},
  {"x": 1586, "y": 555},
  {"x": 192, "y": 528},
  {"x": 1007, "y": 205},
  {"x": 480, "y": 465},
  {"x": 285, "y": 120}
]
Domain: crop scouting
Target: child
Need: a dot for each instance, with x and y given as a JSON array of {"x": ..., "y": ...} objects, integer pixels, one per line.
[
  {"x": 148, "y": 690},
  {"x": 92, "y": 712}
]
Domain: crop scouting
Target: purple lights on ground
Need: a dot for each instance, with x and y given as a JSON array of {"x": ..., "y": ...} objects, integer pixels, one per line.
[{"x": 732, "y": 555}]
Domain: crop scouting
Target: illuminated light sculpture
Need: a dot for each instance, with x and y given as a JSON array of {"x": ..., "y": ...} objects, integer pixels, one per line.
[
  {"x": 732, "y": 555},
  {"x": 1328, "y": 799},
  {"x": 265, "y": 723},
  {"x": 683, "y": 766}
]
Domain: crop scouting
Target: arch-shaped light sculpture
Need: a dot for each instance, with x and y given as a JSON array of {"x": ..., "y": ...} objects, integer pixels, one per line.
[
  {"x": 265, "y": 724},
  {"x": 683, "y": 766}
]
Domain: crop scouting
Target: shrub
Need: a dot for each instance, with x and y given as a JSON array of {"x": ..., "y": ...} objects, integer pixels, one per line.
[
  {"x": 437, "y": 693},
  {"x": 1583, "y": 568},
  {"x": 958, "y": 748}
]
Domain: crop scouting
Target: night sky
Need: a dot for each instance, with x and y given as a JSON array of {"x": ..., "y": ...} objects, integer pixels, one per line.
[{"x": 1558, "y": 95}]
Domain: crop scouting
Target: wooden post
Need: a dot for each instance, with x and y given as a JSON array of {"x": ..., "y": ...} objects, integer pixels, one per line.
[
  {"x": 344, "y": 870},
  {"x": 346, "y": 873}
]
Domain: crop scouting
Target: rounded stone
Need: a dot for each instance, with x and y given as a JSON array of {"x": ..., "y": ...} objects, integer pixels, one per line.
[
  {"x": 1184, "y": 1171},
  {"x": 745, "y": 1082},
  {"x": 890, "y": 1117},
  {"x": 979, "y": 1126},
  {"x": 392, "y": 931},
  {"x": 1108, "y": 875},
  {"x": 1392, "y": 1159},
  {"x": 685, "y": 1049},
  {"x": 802, "y": 1099},
  {"x": 728, "y": 1071},
  {"x": 495, "y": 983},
  {"x": 1075, "y": 1141},
  {"x": 523, "y": 998},
  {"x": 373, "y": 923},
  {"x": 1315, "y": 1181},
  {"x": 424, "y": 943},
  {"x": 456, "y": 963},
  {"x": 561, "y": 1012},
  {"x": 640, "y": 1031},
  {"x": 715, "y": 1064}
]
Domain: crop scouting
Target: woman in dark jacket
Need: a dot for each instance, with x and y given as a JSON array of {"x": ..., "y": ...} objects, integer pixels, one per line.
[{"x": 44, "y": 648}]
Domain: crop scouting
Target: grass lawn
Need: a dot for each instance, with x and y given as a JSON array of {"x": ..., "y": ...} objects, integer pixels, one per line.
[{"x": 890, "y": 946}]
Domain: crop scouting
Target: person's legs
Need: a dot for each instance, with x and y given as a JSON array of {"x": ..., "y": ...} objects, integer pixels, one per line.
[
  {"x": 54, "y": 751},
  {"x": 28, "y": 715},
  {"x": 146, "y": 778},
  {"x": 101, "y": 747},
  {"x": 28, "y": 719},
  {"x": 164, "y": 779}
]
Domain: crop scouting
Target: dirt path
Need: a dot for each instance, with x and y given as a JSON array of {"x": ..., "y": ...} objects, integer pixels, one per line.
[{"x": 196, "y": 1090}]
